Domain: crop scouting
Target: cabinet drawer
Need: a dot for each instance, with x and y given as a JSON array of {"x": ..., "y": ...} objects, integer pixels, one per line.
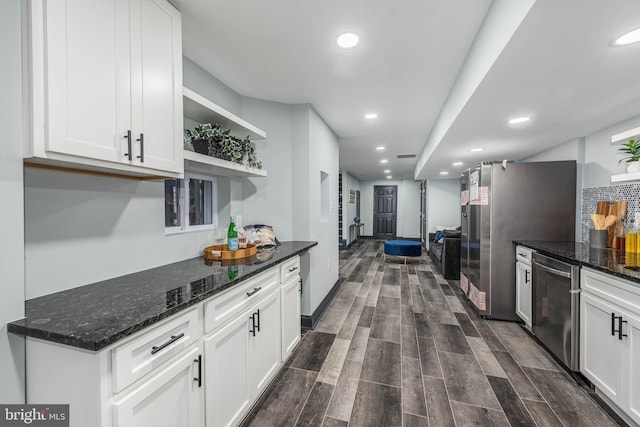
[
  {"x": 150, "y": 349},
  {"x": 290, "y": 268},
  {"x": 523, "y": 254},
  {"x": 622, "y": 292},
  {"x": 223, "y": 307}
]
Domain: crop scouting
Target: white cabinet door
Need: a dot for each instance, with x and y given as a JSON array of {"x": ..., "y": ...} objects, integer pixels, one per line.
[
  {"x": 632, "y": 364},
  {"x": 264, "y": 347},
  {"x": 156, "y": 85},
  {"x": 523, "y": 292},
  {"x": 80, "y": 58},
  {"x": 101, "y": 70},
  {"x": 290, "y": 303},
  {"x": 600, "y": 349},
  {"x": 226, "y": 352},
  {"x": 170, "y": 398}
]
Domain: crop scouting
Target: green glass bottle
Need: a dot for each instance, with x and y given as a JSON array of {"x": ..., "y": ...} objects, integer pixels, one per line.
[{"x": 232, "y": 236}]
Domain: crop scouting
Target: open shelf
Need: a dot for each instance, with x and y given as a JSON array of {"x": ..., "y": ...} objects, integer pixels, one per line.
[
  {"x": 215, "y": 166},
  {"x": 201, "y": 110},
  {"x": 626, "y": 177}
]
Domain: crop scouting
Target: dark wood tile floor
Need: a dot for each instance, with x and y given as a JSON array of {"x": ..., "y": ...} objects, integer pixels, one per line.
[{"x": 400, "y": 346}]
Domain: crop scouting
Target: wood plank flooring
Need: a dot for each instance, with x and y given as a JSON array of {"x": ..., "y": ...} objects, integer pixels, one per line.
[{"x": 401, "y": 346}]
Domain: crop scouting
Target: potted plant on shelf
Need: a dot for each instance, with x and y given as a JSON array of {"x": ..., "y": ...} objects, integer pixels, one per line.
[
  {"x": 632, "y": 158},
  {"x": 206, "y": 138},
  {"x": 212, "y": 141}
]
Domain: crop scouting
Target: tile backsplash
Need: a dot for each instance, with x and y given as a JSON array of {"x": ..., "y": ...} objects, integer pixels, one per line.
[{"x": 591, "y": 197}]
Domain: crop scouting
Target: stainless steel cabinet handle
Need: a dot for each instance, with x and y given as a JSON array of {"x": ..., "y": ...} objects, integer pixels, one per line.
[
  {"x": 128, "y": 138},
  {"x": 173, "y": 339},
  {"x": 141, "y": 156},
  {"x": 254, "y": 291},
  {"x": 554, "y": 271},
  {"x": 198, "y": 379}
]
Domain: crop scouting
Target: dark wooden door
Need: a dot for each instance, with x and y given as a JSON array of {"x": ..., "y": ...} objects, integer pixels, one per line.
[{"x": 385, "y": 205}]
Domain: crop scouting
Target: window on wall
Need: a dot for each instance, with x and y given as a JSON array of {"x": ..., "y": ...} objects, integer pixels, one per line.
[{"x": 189, "y": 203}]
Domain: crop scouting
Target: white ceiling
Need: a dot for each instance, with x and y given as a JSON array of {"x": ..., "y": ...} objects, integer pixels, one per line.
[{"x": 557, "y": 67}]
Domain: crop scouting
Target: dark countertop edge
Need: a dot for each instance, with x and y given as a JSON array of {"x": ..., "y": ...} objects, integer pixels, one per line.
[
  {"x": 555, "y": 255},
  {"x": 17, "y": 326},
  {"x": 552, "y": 254}
]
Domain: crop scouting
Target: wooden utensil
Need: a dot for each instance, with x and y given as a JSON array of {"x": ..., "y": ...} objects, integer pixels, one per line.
[
  {"x": 609, "y": 221},
  {"x": 598, "y": 221}
]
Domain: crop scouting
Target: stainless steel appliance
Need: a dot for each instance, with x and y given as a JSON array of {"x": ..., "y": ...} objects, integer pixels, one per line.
[
  {"x": 507, "y": 201},
  {"x": 556, "y": 308}
]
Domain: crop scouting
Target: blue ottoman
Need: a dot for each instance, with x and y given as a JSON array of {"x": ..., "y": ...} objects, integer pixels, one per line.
[{"x": 403, "y": 248}]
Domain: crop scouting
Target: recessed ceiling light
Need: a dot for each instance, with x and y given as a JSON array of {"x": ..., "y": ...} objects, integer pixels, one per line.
[
  {"x": 517, "y": 120},
  {"x": 477, "y": 149},
  {"x": 384, "y": 161},
  {"x": 444, "y": 173},
  {"x": 389, "y": 177},
  {"x": 380, "y": 148},
  {"x": 632, "y": 36},
  {"x": 457, "y": 163},
  {"x": 387, "y": 171},
  {"x": 348, "y": 40},
  {"x": 371, "y": 116}
]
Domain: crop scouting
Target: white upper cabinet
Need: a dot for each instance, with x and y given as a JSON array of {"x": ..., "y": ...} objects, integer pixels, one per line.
[{"x": 105, "y": 86}]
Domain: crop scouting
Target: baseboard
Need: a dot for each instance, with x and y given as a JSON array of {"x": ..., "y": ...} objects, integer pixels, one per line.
[{"x": 309, "y": 322}]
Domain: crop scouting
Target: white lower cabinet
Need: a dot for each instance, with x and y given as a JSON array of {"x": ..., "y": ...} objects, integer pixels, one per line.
[
  {"x": 523, "y": 284},
  {"x": 241, "y": 358},
  {"x": 205, "y": 366},
  {"x": 610, "y": 339},
  {"x": 290, "y": 302},
  {"x": 171, "y": 397}
]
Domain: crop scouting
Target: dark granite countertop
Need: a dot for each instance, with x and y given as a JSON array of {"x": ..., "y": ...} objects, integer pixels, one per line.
[
  {"x": 97, "y": 315},
  {"x": 609, "y": 261}
]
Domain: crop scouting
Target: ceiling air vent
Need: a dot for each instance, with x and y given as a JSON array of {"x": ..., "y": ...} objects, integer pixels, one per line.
[{"x": 406, "y": 156}]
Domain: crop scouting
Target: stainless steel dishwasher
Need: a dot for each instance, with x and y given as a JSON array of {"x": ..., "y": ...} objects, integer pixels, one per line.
[{"x": 556, "y": 308}]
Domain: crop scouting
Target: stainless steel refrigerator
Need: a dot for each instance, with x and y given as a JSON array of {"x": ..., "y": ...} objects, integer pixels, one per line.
[{"x": 506, "y": 201}]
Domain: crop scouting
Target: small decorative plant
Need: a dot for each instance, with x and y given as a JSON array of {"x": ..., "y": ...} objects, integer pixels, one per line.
[
  {"x": 212, "y": 140},
  {"x": 632, "y": 151}
]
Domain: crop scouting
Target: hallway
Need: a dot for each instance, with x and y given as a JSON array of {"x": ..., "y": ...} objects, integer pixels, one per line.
[{"x": 400, "y": 346}]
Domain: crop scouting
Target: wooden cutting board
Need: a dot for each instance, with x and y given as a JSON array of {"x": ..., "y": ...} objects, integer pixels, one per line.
[
  {"x": 603, "y": 208},
  {"x": 619, "y": 209}
]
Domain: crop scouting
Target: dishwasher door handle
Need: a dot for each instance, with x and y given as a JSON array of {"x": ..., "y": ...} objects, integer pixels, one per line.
[{"x": 554, "y": 271}]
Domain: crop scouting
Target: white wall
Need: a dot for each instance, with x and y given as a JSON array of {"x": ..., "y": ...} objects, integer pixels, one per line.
[
  {"x": 315, "y": 150},
  {"x": 408, "y": 215},
  {"x": 12, "y": 353},
  {"x": 443, "y": 203},
  {"x": 601, "y": 158},
  {"x": 269, "y": 200}
]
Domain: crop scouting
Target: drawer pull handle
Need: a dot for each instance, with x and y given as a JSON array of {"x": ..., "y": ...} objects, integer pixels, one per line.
[
  {"x": 292, "y": 269},
  {"x": 620, "y": 322},
  {"x": 173, "y": 339},
  {"x": 254, "y": 291},
  {"x": 198, "y": 379}
]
